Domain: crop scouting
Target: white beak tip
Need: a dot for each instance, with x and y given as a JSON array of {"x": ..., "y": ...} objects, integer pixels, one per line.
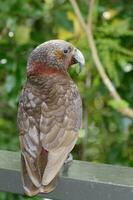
[{"x": 78, "y": 56}]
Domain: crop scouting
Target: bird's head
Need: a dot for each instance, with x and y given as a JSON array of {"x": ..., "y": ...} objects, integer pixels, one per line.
[{"x": 54, "y": 56}]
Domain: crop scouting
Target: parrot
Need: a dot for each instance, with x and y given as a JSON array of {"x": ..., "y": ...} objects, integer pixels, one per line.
[{"x": 49, "y": 114}]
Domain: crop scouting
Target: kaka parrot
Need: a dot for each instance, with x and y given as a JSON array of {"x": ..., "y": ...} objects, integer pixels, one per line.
[{"x": 49, "y": 114}]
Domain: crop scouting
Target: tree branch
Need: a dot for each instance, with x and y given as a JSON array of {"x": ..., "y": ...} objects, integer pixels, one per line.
[
  {"x": 87, "y": 27},
  {"x": 78, "y": 13},
  {"x": 95, "y": 57}
]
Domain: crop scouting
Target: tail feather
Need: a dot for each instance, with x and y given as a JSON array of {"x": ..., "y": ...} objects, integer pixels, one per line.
[
  {"x": 29, "y": 168},
  {"x": 42, "y": 161},
  {"x": 50, "y": 187},
  {"x": 29, "y": 188},
  {"x": 32, "y": 180}
]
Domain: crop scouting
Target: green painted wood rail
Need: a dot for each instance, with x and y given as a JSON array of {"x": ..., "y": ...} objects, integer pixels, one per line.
[{"x": 79, "y": 181}]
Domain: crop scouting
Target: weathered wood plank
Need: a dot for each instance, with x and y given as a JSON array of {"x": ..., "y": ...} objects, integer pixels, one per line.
[{"x": 81, "y": 181}]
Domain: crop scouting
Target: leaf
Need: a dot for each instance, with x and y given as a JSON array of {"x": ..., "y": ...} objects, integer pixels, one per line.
[
  {"x": 118, "y": 104},
  {"x": 10, "y": 83},
  {"x": 76, "y": 24},
  {"x": 22, "y": 35},
  {"x": 64, "y": 34}
]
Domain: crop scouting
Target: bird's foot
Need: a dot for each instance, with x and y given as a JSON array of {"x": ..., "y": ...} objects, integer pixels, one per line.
[
  {"x": 69, "y": 160},
  {"x": 67, "y": 164}
]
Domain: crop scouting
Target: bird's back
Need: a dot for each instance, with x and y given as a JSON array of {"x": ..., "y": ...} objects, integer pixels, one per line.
[{"x": 49, "y": 117}]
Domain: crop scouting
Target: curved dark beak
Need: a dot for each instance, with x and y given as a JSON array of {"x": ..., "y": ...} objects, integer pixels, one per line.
[{"x": 79, "y": 58}]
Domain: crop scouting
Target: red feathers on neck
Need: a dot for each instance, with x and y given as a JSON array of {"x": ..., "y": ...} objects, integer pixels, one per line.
[{"x": 40, "y": 69}]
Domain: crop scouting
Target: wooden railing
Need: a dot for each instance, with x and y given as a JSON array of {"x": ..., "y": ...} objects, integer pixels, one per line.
[{"x": 80, "y": 181}]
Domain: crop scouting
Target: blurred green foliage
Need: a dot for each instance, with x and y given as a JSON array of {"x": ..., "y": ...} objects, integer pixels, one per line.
[{"x": 106, "y": 136}]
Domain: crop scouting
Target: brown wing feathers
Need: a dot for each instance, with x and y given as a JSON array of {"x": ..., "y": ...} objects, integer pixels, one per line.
[{"x": 46, "y": 144}]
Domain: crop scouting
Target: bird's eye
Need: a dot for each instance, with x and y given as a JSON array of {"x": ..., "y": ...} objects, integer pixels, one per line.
[{"x": 65, "y": 51}]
